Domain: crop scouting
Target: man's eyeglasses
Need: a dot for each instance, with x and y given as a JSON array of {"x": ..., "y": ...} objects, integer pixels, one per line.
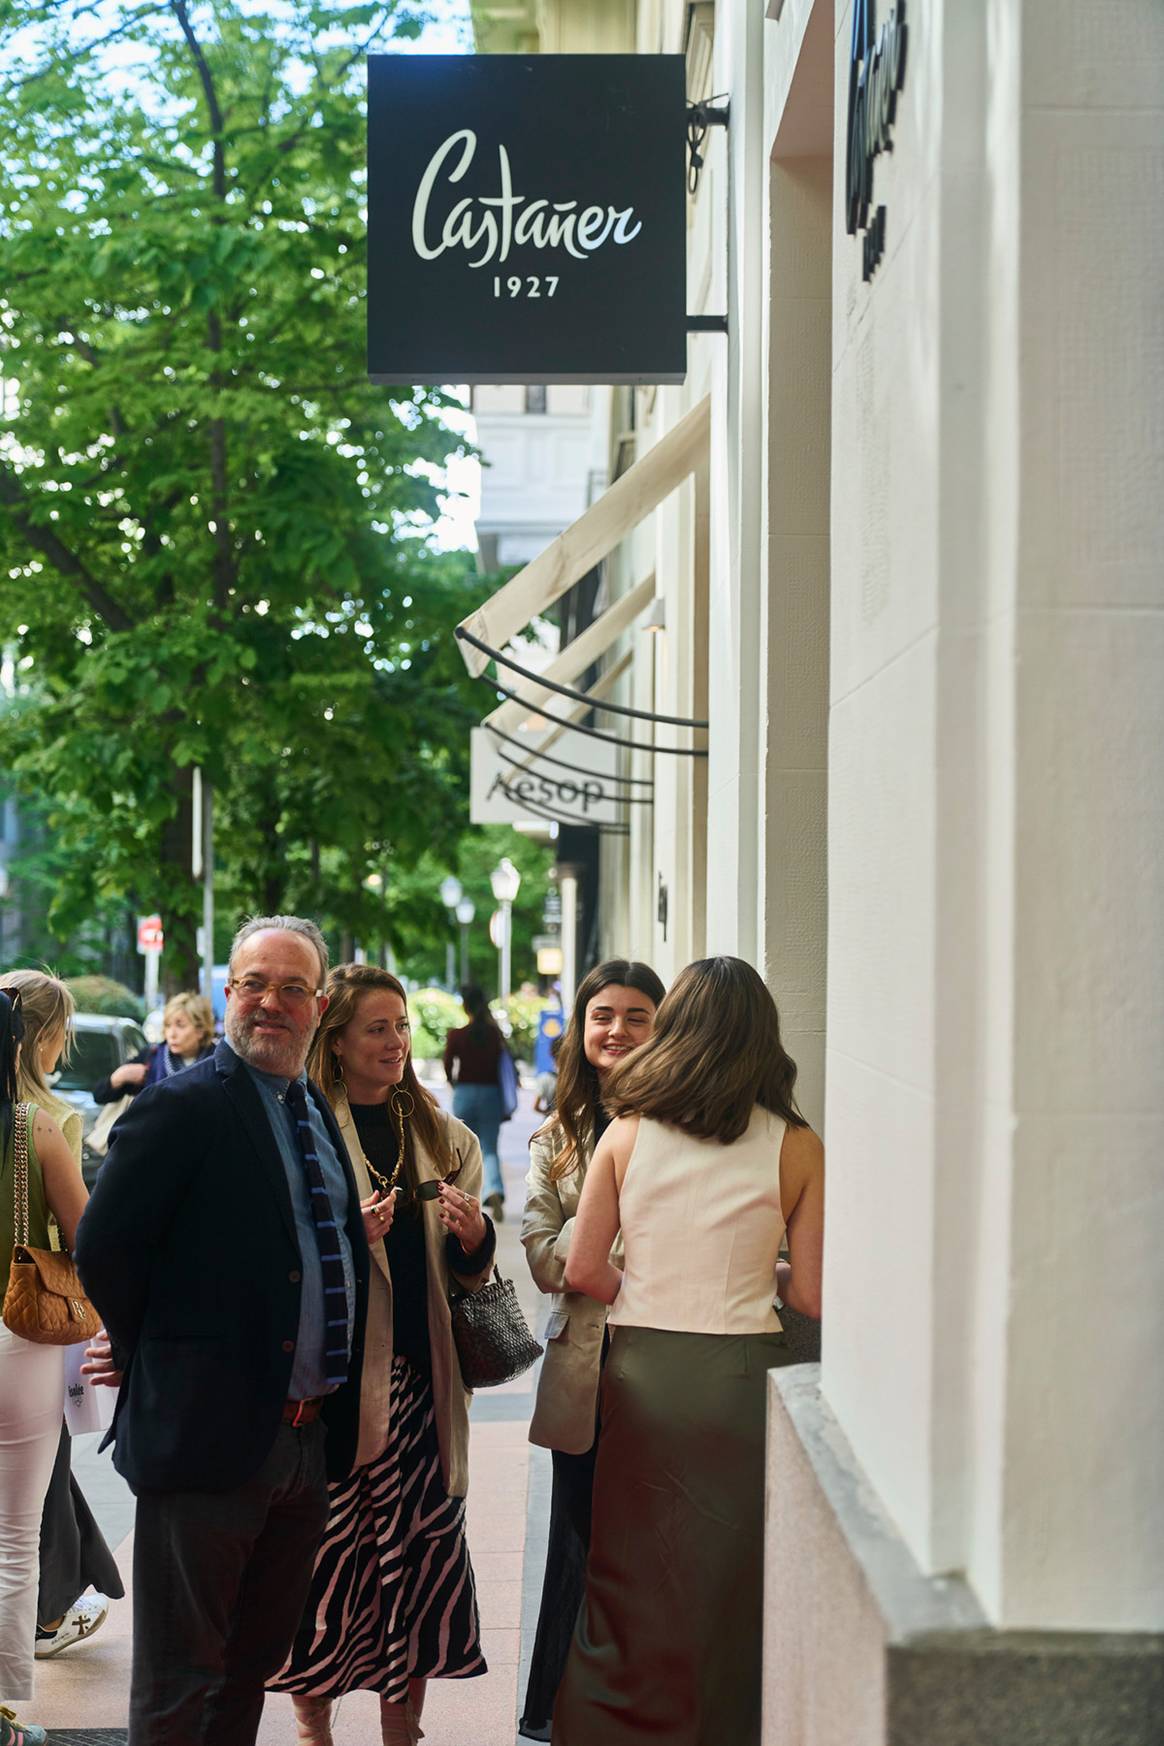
[{"x": 287, "y": 993}]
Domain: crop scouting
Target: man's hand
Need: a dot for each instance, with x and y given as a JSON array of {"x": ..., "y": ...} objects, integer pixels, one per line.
[{"x": 99, "y": 1369}]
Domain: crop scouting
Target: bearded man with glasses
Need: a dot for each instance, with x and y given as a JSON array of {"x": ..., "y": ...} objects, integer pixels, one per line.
[{"x": 224, "y": 1247}]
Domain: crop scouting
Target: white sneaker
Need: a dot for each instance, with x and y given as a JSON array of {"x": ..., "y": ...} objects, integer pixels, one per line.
[{"x": 82, "y": 1619}]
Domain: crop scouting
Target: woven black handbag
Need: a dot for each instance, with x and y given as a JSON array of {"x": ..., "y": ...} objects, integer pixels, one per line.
[{"x": 492, "y": 1337}]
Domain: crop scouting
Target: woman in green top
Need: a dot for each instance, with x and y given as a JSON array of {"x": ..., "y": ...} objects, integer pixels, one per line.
[
  {"x": 31, "y": 1377},
  {"x": 74, "y": 1557}
]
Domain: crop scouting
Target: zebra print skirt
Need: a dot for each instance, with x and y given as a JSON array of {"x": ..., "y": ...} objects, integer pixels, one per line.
[{"x": 392, "y": 1595}]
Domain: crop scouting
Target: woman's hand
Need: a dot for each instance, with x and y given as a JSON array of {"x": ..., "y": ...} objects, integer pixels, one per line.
[
  {"x": 100, "y": 1369},
  {"x": 378, "y": 1210},
  {"x": 462, "y": 1215},
  {"x": 130, "y": 1073}
]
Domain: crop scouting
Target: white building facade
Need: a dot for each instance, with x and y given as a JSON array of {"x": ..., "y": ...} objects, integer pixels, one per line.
[
  {"x": 913, "y": 583},
  {"x": 536, "y": 472}
]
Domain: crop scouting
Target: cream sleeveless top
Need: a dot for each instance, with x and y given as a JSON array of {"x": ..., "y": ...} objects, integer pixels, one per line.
[{"x": 701, "y": 1228}]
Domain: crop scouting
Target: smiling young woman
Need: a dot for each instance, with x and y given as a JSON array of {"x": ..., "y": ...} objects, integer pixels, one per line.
[{"x": 614, "y": 1012}]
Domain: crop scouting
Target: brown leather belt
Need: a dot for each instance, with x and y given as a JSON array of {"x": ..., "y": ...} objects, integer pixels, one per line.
[{"x": 302, "y": 1412}]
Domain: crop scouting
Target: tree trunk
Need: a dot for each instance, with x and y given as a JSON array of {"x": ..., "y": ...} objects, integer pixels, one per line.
[
  {"x": 180, "y": 895},
  {"x": 274, "y": 888}
]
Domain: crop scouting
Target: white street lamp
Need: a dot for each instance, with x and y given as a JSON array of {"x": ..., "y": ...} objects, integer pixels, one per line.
[
  {"x": 505, "y": 882},
  {"x": 466, "y": 910}
]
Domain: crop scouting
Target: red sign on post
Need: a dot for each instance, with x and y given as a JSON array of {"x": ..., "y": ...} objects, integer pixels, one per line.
[{"x": 150, "y": 937}]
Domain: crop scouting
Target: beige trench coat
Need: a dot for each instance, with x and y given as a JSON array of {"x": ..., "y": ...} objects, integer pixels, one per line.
[
  {"x": 567, "y": 1396},
  {"x": 450, "y": 1396}
]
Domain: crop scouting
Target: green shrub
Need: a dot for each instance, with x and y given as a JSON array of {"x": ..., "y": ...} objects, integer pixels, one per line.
[
  {"x": 518, "y": 1017},
  {"x": 433, "y": 1013},
  {"x": 102, "y": 994}
]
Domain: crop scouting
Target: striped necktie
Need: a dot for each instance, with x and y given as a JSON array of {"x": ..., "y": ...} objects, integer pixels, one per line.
[{"x": 335, "y": 1291}]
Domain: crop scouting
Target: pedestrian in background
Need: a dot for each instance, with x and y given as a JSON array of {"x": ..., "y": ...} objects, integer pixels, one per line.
[
  {"x": 614, "y": 1011},
  {"x": 224, "y": 1245},
  {"x": 707, "y": 1164},
  {"x": 393, "y": 1602},
  {"x": 473, "y": 1067},
  {"x": 31, "y": 1376},
  {"x": 73, "y": 1553},
  {"x": 187, "y": 1037}
]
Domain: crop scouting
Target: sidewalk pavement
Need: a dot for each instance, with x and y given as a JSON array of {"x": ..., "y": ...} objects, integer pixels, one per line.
[{"x": 82, "y": 1696}]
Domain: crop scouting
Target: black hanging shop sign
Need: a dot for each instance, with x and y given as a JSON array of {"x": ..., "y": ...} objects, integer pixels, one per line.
[{"x": 526, "y": 218}]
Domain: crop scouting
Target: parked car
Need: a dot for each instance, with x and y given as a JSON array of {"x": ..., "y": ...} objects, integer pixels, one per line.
[{"x": 100, "y": 1045}]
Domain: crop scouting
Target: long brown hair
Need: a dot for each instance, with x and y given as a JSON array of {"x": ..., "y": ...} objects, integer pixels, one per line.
[
  {"x": 571, "y": 1127},
  {"x": 714, "y": 1054},
  {"x": 346, "y": 987}
]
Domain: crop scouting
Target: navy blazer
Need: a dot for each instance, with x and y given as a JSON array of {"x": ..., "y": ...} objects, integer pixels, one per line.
[{"x": 188, "y": 1249}]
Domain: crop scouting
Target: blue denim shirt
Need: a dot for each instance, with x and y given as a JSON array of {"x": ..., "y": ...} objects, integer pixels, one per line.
[{"x": 309, "y": 1367}]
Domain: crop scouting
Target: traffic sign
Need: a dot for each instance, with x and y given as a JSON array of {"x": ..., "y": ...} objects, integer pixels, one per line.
[{"x": 150, "y": 936}]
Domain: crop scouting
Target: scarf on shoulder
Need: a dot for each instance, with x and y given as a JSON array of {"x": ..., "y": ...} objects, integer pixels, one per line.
[{"x": 163, "y": 1062}]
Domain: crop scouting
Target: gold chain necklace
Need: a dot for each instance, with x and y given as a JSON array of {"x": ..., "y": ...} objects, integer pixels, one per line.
[{"x": 402, "y": 1106}]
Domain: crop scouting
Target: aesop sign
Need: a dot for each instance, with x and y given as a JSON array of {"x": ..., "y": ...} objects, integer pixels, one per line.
[
  {"x": 507, "y": 785},
  {"x": 876, "y": 75},
  {"x": 526, "y": 218}
]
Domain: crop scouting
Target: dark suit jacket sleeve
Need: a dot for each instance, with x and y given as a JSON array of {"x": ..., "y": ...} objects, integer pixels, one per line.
[{"x": 153, "y": 1150}]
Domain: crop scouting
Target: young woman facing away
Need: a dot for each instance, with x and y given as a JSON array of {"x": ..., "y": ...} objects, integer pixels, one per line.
[
  {"x": 707, "y": 1166},
  {"x": 472, "y": 1067},
  {"x": 614, "y": 1011},
  {"x": 31, "y": 1376}
]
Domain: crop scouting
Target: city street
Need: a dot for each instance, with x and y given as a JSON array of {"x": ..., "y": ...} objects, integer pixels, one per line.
[{"x": 82, "y": 1696}]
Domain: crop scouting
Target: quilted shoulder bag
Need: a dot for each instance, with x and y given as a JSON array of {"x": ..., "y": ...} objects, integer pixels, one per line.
[
  {"x": 491, "y": 1335},
  {"x": 45, "y": 1301}
]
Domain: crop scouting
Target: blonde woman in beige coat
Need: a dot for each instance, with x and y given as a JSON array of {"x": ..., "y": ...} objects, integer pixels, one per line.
[
  {"x": 614, "y": 1011},
  {"x": 393, "y": 1604}
]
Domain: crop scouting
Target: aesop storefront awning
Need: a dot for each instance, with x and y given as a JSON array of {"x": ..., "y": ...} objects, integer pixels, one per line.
[{"x": 543, "y": 582}]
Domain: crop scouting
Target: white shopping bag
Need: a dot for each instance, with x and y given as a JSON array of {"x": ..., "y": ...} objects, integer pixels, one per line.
[{"x": 86, "y": 1408}]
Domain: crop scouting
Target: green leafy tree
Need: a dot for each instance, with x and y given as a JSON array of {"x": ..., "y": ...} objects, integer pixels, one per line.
[
  {"x": 418, "y": 925},
  {"x": 212, "y": 528}
]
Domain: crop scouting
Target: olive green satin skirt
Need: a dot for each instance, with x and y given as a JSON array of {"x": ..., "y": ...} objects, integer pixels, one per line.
[{"x": 668, "y": 1643}]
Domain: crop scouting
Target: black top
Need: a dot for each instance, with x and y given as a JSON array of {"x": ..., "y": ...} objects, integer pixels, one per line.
[
  {"x": 376, "y": 1126},
  {"x": 477, "y": 1054}
]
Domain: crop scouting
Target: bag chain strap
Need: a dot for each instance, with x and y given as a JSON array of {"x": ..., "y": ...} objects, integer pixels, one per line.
[{"x": 20, "y": 1170}]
